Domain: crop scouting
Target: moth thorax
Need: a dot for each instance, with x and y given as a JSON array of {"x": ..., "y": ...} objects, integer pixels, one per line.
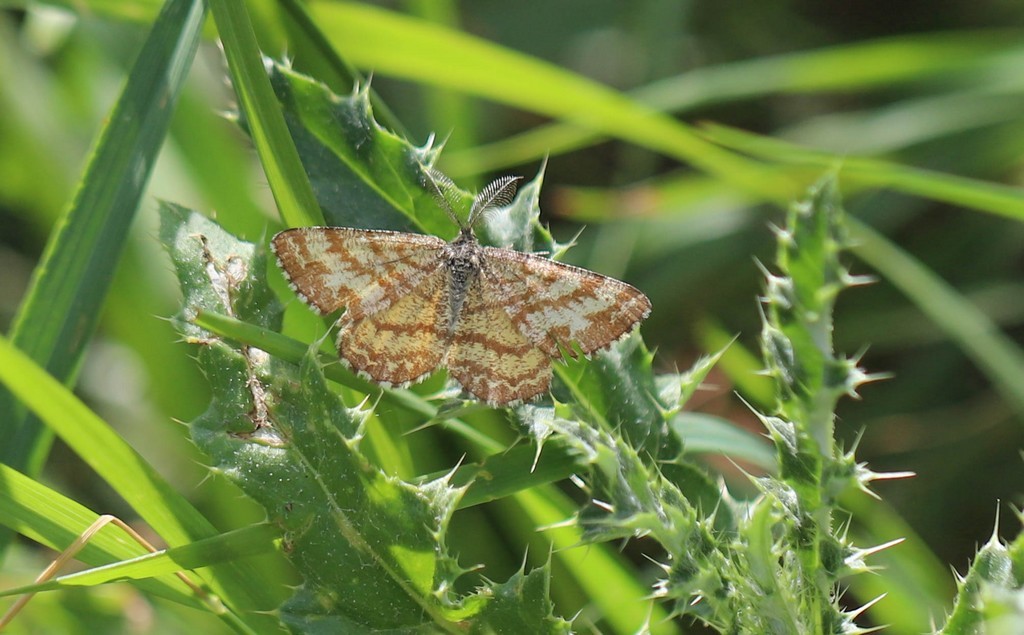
[{"x": 463, "y": 260}]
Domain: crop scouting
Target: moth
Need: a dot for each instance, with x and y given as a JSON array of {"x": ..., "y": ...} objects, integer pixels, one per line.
[{"x": 494, "y": 317}]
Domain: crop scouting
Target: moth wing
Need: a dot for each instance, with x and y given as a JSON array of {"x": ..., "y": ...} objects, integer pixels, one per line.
[
  {"x": 403, "y": 343},
  {"x": 362, "y": 270},
  {"x": 489, "y": 356},
  {"x": 553, "y": 304}
]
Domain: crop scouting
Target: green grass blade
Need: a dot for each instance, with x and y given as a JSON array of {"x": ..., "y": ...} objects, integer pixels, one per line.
[
  {"x": 999, "y": 357},
  {"x": 248, "y": 541},
  {"x": 37, "y": 512},
  {"x": 285, "y": 174},
  {"x": 397, "y": 45},
  {"x": 170, "y": 515},
  {"x": 220, "y": 165},
  {"x": 447, "y": 109},
  {"x": 60, "y": 312},
  {"x": 849, "y": 67},
  {"x": 863, "y": 172}
]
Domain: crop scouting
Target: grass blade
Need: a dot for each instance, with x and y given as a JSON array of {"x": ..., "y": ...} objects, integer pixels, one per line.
[
  {"x": 865, "y": 172},
  {"x": 397, "y": 45},
  {"x": 285, "y": 174},
  {"x": 49, "y": 518},
  {"x": 846, "y": 67},
  {"x": 168, "y": 512},
  {"x": 60, "y": 312},
  {"x": 239, "y": 543},
  {"x": 995, "y": 354}
]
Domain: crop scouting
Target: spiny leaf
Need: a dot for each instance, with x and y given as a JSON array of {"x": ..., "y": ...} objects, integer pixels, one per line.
[
  {"x": 215, "y": 272},
  {"x": 362, "y": 175},
  {"x": 988, "y": 598},
  {"x": 362, "y": 539},
  {"x": 506, "y": 614},
  {"x": 810, "y": 377},
  {"x": 616, "y": 390},
  {"x": 365, "y": 176},
  {"x": 780, "y": 575}
]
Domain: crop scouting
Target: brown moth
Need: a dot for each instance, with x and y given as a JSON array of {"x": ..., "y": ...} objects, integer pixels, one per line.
[{"x": 493, "y": 317}]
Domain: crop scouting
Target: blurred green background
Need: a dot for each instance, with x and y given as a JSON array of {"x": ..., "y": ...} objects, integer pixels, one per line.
[{"x": 937, "y": 86}]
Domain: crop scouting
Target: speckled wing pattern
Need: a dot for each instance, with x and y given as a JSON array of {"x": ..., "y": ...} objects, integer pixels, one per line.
[
  {"x": 361, "y": 270},
  {"x": 391, "y": 285},
  {"x": 404, "y": 343},
  {"x": 490, "y": 357},
  {"x": 554, "y": 304},
  {"x": 518, "y": 313}
]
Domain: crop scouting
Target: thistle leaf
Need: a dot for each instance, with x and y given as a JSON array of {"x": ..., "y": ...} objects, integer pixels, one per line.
[
  {"x": 362, "y": 539},
  {"x": 362, "y": 175},
  {"x": 989, "y": 598}
]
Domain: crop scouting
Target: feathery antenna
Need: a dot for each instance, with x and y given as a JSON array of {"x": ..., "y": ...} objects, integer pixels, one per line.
[
  {"x": 498, "y": 193},
  {"x": 446, "y": 193}
]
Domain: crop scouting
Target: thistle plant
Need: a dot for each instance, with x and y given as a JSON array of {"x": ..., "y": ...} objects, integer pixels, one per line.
[
  {"x": 774, "y": 564},
  {"x": 770, "y": 565},
  {"x": 368, "y": 491}
]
